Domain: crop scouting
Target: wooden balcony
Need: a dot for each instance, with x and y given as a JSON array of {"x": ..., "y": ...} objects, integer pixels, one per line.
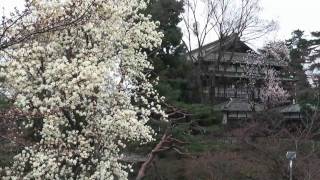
[
  {"x": 230, "y": 92},
  {"x": 239, "y": 73}
]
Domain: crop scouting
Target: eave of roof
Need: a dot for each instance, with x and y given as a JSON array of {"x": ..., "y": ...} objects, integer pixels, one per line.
[{"x": 227, "y": 42}]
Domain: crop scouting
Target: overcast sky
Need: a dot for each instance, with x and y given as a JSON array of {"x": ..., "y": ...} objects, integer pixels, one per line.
[{"x": 290, "y": 15}]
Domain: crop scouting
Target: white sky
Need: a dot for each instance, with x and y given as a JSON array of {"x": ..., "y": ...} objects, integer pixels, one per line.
[
  {"x": 290, "y": 15},
  {"x": 8, "y": 5}
]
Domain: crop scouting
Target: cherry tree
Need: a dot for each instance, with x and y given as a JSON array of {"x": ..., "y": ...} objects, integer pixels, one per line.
[
  {"x": 259, "y": 69},
  {"x": 88, "y": 80},
  {"x": 272, "y": 94}
]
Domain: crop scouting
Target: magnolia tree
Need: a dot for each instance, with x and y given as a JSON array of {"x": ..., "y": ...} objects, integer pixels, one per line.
[
  {"x": 89, "y": 83},
  {"x": 259, "y": 68}
]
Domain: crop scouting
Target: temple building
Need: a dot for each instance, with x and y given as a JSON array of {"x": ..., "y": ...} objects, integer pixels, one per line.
[{"x": 223, "y": 80}]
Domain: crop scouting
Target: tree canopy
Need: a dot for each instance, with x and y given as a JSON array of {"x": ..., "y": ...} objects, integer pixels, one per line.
[{"x": 87, "y": 83}]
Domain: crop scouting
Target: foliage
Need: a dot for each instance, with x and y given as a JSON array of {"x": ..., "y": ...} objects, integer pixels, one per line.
[
  {"x": 201, "y": 113},
  {"x": 314, "y": 45},
  {"x": 167, "y": 12},
  {"x": 172, "y": 90},
  {"x": 88, "y": 82},
  {"x": 308, "y": 96},
  {"x": 304, "y": 53},
  {"x": 314, "y": 54},
  {"x": 168, "y": 59}
]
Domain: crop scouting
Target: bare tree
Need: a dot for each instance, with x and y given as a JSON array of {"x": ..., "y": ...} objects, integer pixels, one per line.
[
  {"x": 224, "y": 18},
  {"x": 197, "y": 32}
]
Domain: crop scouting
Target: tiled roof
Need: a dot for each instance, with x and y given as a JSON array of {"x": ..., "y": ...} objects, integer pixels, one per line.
[
  {"x": 292, "y": 108},
  {"x": 213, "y": 46}
]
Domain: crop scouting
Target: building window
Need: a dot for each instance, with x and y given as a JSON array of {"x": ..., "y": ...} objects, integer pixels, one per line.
[
  {"x": 242, "y": 115},
  {"x": 219, "y": 91}
]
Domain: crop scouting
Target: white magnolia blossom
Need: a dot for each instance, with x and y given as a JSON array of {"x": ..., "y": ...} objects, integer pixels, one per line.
[{"x": 89, "y": 82}]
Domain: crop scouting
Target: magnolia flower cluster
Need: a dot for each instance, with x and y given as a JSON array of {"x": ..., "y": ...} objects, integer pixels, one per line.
[{"x": 88, "y": 79}]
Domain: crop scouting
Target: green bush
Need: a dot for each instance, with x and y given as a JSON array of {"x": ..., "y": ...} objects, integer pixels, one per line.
[{"x": 172, "y": 89}]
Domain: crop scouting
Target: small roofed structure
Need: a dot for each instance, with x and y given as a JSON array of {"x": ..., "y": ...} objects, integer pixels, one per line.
[
  {"x": 237, "y": 108},
  {"x": 240, "y": 109},
  {"x": 291, "y": 112}
]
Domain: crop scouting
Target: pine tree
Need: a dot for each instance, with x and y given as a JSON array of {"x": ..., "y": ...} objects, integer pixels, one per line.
[
  {"x": 299, "y": 52},
  {"x": 169, "y": 60}
]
